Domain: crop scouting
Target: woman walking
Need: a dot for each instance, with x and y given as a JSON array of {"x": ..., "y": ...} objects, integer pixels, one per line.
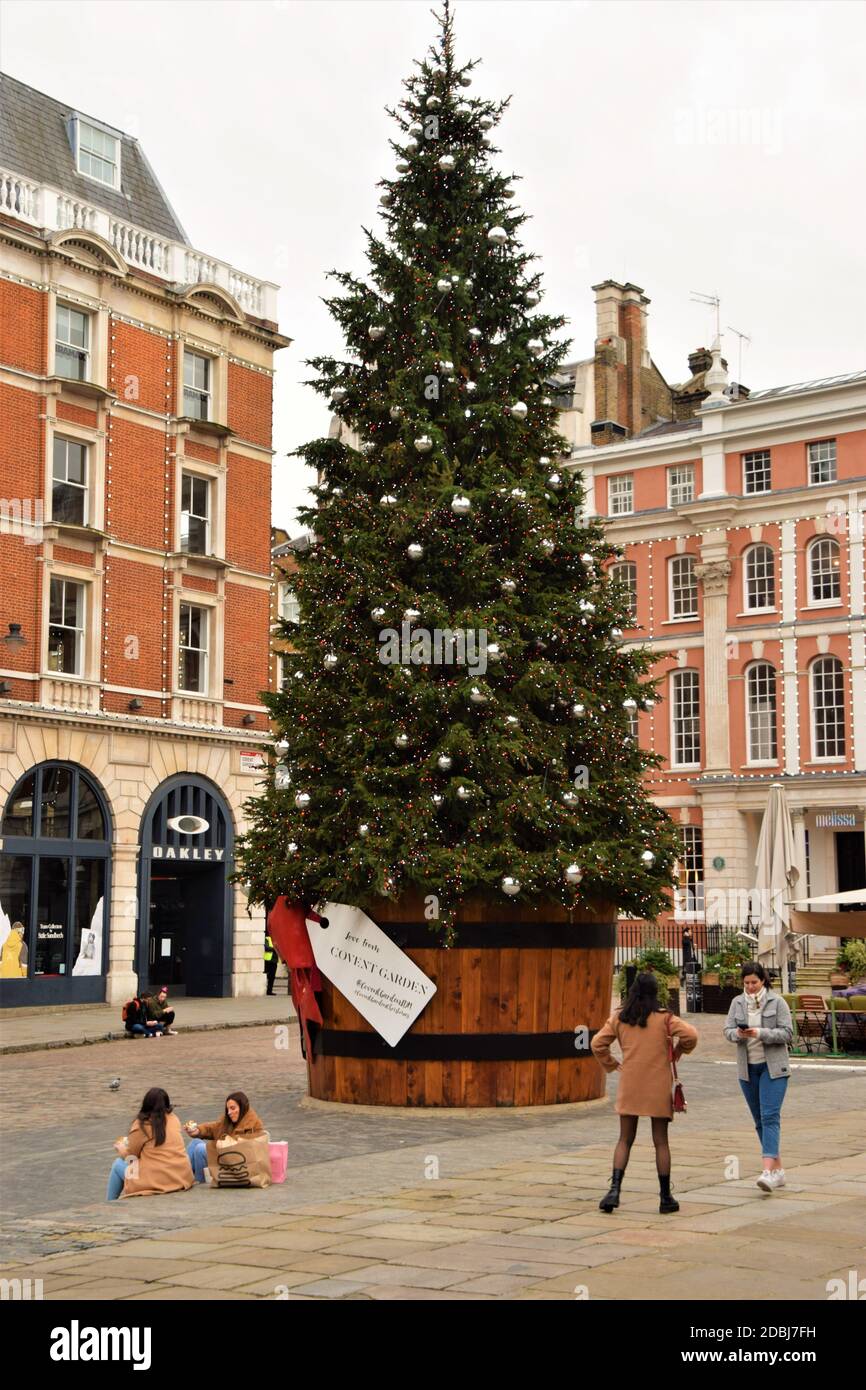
[
  {"x": 152, "y": 1157},
  {"x": 759, "y": 1022},
  {"x": 238, "y": 1121},
  {"x": 645, "y": 1033}
]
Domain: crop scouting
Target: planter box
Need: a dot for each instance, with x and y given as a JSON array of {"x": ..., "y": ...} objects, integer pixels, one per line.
[
  {"x": 500, "y": 1030},
  {"x": 717, "y": 999}
]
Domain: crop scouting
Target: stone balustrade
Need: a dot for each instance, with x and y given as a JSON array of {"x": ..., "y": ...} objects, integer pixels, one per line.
[{"x": 49, "y": 209}]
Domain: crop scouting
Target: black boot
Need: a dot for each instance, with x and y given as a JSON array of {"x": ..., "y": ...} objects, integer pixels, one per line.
[
  {"x": 668, "y": 1203},
  {"x": 611, "y": 1199}
]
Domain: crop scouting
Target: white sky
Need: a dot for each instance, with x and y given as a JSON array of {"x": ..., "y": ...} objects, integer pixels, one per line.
[{"x": 683, "y": 146}]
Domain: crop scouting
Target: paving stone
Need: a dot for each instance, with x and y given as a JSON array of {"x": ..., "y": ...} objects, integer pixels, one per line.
[
  {"x": 434, "y": 1235},
  {"x": 385, "y": 1293},
  {"x": 378, "y": 1249},
  {"x": 278, "y": 1282},
  {"x": 408, "y": 1276},
  {"x": 180, "y": 1293},
  {"x": 330, "y": 1288},
  {"x": 505, "y": 1284},
  {"x": 97, "y": 1290},
  {"x": 218, "y": 1277}
]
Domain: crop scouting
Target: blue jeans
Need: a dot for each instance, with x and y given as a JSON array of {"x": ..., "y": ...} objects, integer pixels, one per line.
[
  {"x": 197, "y": 1155},
  {"x": 764, "y": 1095},
  {"x": 115, "y": 1179}
]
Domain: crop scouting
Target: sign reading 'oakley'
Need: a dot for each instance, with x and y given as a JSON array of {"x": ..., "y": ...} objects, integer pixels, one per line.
[{"x": 216, "y": 856}]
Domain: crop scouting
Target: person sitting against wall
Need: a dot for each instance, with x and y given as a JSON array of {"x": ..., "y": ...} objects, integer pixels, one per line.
[
  {"x": 136, "y": 1022},
  {"x": 152, "y": 1157},
  {"x": 159, "y": 1012},
  {"x": 238, "y": 1121}
]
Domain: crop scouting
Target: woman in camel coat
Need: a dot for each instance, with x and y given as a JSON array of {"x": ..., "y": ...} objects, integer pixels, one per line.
[
  {"x": 643, "y": 1030},
  {"x": 152, "y": 1157},
  {"x": 239, "y": 1120}
]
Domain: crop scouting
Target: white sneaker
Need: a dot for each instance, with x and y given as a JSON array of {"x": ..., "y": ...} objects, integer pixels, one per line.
[{"x": 770, "y": 1179}]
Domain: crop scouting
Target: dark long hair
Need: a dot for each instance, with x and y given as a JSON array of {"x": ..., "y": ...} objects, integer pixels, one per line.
[
  {"x": 755, "y": 968},
  {"x": 242, "y": 1102},
  {"x": 154, "y": 1108},
  {"x": 642, "y": 1000}
]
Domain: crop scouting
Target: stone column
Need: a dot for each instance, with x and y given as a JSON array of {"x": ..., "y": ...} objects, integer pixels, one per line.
[
  {"x": 714, "y": 573},
  {"x": 122, "y": 981}
]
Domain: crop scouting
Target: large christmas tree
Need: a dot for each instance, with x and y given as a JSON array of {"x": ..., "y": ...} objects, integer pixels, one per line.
[{"x": 457, "y": 710}]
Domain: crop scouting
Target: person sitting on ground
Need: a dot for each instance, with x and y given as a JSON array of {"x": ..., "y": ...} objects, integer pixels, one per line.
[
  {"x": 239, "y": 1121},
  {"x": 136, "y": 1021},
  {"x": 159, "y": 1012},
  {"x": 152, "y": 1157}
]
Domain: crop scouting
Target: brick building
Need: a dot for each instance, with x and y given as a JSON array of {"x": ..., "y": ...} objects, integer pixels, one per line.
[
  {"x": 739, "y": 520},
  {"x": 135, "y": 572}
]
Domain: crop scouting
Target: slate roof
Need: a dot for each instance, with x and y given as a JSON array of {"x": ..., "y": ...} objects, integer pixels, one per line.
[{"x": 34, "y": 141}]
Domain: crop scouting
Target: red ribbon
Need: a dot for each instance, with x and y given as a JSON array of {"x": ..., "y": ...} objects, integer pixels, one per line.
[{"x": 287, "y": 928}]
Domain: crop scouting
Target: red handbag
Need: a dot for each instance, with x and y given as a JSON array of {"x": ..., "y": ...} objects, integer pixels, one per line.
[{"x": 678, "y": 1094}]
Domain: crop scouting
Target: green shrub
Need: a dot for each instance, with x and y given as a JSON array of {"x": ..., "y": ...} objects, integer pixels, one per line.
[
  {"x": 652, "y": 957},
  {"x": 733, "y": 953},
  {"x": 852, "y": 957}
]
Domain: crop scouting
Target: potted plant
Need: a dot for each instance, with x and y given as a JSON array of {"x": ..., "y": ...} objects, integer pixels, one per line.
[
  {"x": 852, "y": 962},
  {"x": 721, "y": 978},
  {"x": 654, "y": 958}
]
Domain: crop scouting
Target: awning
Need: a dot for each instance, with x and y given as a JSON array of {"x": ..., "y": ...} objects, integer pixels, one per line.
[
  {"x": 853, "y": 895},
  {"x": 829, "y": 923}
]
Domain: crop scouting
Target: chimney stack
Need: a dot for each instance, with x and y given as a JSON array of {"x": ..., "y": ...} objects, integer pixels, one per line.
[{"x": 622, "y": 362}]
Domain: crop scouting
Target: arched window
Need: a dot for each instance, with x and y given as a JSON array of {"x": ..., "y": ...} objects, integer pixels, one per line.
[
  {"x": 683, "y": 587},
  {"x": 625, "y": 574},
  {"x": 685, "y": 719},
  {"x": 825, "y": 583},
  {"x": 761, "y": 713},
  {"x": 827, "y": 682},
  {"x": 759, "y": 574},
  {"x": 54, "y": 876}
]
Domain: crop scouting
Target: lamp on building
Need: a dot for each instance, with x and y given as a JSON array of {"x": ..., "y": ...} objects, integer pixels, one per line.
[
  {"x": 14, "y": 637},
  {"x": 249, "y": 719},
  {"x": 134, "y": 703}
]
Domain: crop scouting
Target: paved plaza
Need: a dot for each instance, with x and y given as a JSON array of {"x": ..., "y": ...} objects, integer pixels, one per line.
[{"x": 388, "y": 1204}]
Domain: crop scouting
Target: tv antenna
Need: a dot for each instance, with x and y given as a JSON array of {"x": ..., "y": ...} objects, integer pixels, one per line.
[
  {"x": 711, "y": 299},
  {"x": 744, "y": 338}
]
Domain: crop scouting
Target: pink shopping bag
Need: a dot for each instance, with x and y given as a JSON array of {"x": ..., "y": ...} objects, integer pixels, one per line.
[{"x": 279, "y": 1152}]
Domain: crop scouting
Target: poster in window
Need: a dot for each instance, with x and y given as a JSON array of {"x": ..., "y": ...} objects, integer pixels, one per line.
[{"x": 89, "y": 959}]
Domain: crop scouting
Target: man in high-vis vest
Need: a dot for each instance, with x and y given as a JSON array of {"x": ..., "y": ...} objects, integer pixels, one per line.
[{"x": 271, "y": 962}]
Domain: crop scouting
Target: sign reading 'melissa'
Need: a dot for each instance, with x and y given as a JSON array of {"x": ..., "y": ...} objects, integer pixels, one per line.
[{"x": 387, "y": 988}]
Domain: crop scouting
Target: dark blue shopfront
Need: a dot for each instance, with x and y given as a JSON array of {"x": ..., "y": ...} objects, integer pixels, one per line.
[
  {"x": 186, "y": 902},
  {"x": 55, "y": 888}
]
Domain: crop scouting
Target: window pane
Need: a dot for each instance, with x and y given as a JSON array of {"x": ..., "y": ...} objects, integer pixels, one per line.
[
  {"x": 194, "y": 533},
  {"x": 55, "y": 802},
  {"x": 91, "y": 825},
  {"x": 52, "y": 912},
  {"x": 761, "y": 704},
  {"x": 191, "y": 671},
  {"x": 15, "y": 895},
  {"x": 824, "y": 572},
  {"x": 71, "y": 604},
  {"x": 67, "y": 504},
  {"x": 88, "y": 924},
  {"x": 200, "y": 496},
  {"x": 18, "y": 818},
  {"x": 55, "y": 606},
  {"x": 760, "y": 578}
]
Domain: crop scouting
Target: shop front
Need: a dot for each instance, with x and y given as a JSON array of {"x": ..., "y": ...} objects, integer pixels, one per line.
[
  {"x": 55, "y": 867},
  {"x": 186, "y": 899}
]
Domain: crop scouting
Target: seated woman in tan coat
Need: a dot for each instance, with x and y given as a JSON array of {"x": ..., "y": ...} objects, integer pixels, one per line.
[
  {"x": 644, "y": 1031},
  {"x": 152, "y": 1156},
  {"x": 239, "y": 1120}
]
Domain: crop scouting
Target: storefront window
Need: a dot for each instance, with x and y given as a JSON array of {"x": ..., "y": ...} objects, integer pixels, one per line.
[{"x": 54, "y": 869}]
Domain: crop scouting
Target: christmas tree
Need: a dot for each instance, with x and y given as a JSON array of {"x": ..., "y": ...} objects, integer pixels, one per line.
[{"x": 459, "y": 708}]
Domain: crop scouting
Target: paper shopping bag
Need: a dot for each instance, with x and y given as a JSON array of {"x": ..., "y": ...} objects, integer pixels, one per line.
[{"x": 244, "y": 1163}]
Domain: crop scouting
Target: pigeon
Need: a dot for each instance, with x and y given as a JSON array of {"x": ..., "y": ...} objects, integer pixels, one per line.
[{"x": 115, "y": 1084}]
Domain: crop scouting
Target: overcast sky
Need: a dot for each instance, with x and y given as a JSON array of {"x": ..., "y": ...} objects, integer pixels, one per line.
[{"x": 708, "y": 146}]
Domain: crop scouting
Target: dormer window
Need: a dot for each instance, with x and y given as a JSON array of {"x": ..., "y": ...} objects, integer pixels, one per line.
[{"x": 97, "y": 153}]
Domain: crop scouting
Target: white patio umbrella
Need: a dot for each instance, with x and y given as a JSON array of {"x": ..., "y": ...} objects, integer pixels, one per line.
[{"x": 776, "y": 874}]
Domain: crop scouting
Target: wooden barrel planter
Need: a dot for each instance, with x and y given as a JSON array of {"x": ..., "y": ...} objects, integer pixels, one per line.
[{"x": 500, "y": 1029}]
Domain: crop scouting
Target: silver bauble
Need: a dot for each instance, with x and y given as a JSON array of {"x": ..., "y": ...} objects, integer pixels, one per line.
[
  {"x": 437, "y": 799},
  {"x": 544, "y": 461},
  {"x": 463, "y": 793},
  {"x": 396, "y": 412},
  {"x": 587, "y": 560},
  {"x": 510, "y": 885},
  {"x": 518, "y": 493},
  {"x": 648, "y": 858},
  {"x": 507, "y": 586},
  {"x": 477, "y": 696},
  {"x": 545, "y": 400},
  {"x": 570, "y": 798},
  {"x": 535, "y": 347},
  {"x": 547, "y": 546},
  {"x": 649, "y": 704},
  {"x": 532, "y": 297},
  {"x": 336, "y": 492},
  {"x": 455, "y": 279},
  {"x": 403, "y": 166},
  {"x": 443, "y": 762},
  {"x": 387, "y": 500},
  {"x": 414, "y": 550},
  {"x": 423, "y": 444},
  {"x": 465, "y": 80},
  {"x": 376, "y": 331},
  {"x": 292, "y": 847},
  {"x": 338, "y": 394},
  {"x": 475, "y": 333},
  {"x": 378, "y": 615},
  {"x": 494, "y": 651},
  {"x": 616, "y": 633},
  {"x": 629, "y": 703},
  {"x": 468, "y": 283},
  {"x": 519, "y": 410},
  {"x": 446, "y": 163},
  {"x": 497, "y": 236},
  {"x": 471, "y": 387},
  {"x": 554, "y": 480},
  {"x": 386, "y": 199},
  {"x": 486, "y": 122},
  {"x": 578, "y": 711},
  {"x": 419, "y": 226},
  {"x": 411, "y": 615},
  {"x": 443, "y": 286},
  {"x": 402, "y": 741},
  {"x": 302, "y": 800},
  {"x": 416, "y": 128},
  {"x": 573, "y": 874},
  {"x": 433, "y": 103},
  {"x": 367, "y": 447},
  {"x": 411, "y": 146},
  {"x": 299, "y": 675},
  {"x": 512, "y": 721},
  {"x": 363, "y": 828},
  {"x": 460, "y": 505},
  {"x": 331, "y": 661}
]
